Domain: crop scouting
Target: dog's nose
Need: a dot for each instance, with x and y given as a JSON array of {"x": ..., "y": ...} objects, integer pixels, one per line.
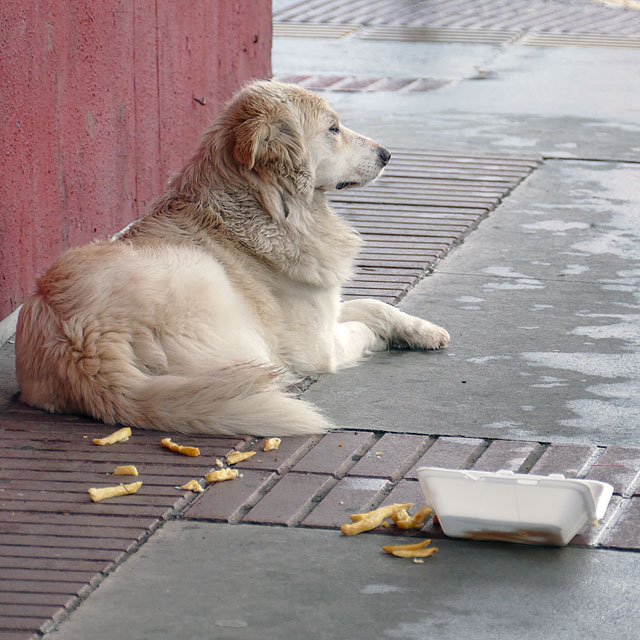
[{"x": 384, "y": 156}]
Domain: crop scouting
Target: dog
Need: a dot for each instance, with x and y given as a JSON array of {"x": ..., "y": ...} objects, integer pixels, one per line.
[{"x": 189, "y": 320}]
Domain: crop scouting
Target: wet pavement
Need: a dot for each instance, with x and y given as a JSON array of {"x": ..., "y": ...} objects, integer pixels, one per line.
[
  {"x": 542, "y": 302},
  {"x": 260, "y": 582}
]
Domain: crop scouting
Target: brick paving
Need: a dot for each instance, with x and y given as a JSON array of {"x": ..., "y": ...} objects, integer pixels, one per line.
[{"x": 352, "y": 471}]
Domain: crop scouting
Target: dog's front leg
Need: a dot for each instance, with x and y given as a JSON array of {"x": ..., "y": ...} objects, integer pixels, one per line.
[
  {"x": 353, "y": 341},
  {"x": 393, "y": 326}
]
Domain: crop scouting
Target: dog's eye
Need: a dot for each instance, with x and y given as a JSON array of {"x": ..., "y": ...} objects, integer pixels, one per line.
[{"x": 334, "y": 128}]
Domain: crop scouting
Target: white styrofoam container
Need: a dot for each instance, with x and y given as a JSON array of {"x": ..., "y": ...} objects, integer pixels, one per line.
[{"x": 511, "y": 507}]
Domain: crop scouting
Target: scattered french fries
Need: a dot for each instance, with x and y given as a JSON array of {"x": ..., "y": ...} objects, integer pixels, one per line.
[
  {"x": 121, "y": 435},
  {"x": 125, "y": 470},
  {"x": 271, "y": 444},
  {"x": 239, "y": 456},
  {"x": 221, "y": 475},
  {"x": 178, "y": 448},
  {"x": 112, "y": 492},
  {"x": 192, "y": 485}
]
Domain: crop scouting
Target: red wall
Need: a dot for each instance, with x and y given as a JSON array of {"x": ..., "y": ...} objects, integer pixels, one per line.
[{"x": 97, "y": 110}]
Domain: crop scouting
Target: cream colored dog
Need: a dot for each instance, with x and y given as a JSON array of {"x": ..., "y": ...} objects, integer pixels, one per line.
[{"x": 187, "y": 321}]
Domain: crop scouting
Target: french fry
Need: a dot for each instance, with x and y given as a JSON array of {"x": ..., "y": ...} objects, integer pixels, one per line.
[
  {"x": 221, "y": 474},
  {"x": 125, "y": 470},
  {"x": 238, "y": 456},
  {"x": 121, "y": 435},
  {"x": 178, "y": 448},
  {"x": 111, "y": 492},
  {"x": 366, "y": 524},
  {"x": 192, "y": 485},
  {"x": 404, "y": 521},
  {"x": 415, "y": 553},
  {"x": 390, "y": 548},
  {"x": 401, "y": 516},
  {"x": 270, "y": 444},
  {"x": 388, "y": 511}
]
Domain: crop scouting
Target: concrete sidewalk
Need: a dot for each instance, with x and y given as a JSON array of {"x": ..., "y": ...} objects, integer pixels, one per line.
[{"x": 542, "y": 301}]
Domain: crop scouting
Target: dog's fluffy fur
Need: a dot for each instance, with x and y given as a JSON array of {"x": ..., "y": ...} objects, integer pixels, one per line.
[{"x": 187, "y": 321}]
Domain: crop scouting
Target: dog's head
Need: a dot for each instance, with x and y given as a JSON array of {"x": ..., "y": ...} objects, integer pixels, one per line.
[{"x": 288, "y": 143}]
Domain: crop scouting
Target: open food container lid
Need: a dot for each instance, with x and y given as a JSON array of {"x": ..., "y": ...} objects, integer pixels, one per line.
[{"x": 513, "y": 507}]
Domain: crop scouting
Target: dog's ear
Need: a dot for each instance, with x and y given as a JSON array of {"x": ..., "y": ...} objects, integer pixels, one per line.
[{"x": 270, "y": 141}]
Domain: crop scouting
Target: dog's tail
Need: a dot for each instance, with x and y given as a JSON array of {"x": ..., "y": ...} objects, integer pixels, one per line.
[{"x": 239, "y": 399}]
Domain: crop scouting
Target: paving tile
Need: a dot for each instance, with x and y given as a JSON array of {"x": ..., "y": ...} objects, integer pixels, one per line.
[
  {"x": 504, "y": 454},
  {"x": 57, "y": 600},
  {"x": 26, "y": 624},
  {"x": 406, "y": 491},
  {"x": 427, "y": 84},
  {"x": 28, "y": 550},
  {"x": 57, "y": 564},
  {"x": 626, "y": 532},
  {"x": 591, "y": 534},
  {"x": 394, "y": 84},
  {"x": 47, "y": 575},
  {"x": 8, "y": 518},
  {"x": 390, "y": 456},
  {"x": 29, "y": 611},
  {"x": 567, "y": 459},
  {"x": 39, "y": 526},
  {"x": 226, "y": 500},
  {"x": 47, "y": 587},
  {"x": 136, "y": 506},
  {"x": 335, "y": 453},
  {"x": 620, "y": 467},
  {"x": 64, "y": 544},
  {"x": 320, "y": 81},
  {"x": 280, "y": 460},
  {"x": 290, "y": 499},
  {"x": 447, "y": 453},
  {"x": 350, "y": 495}
]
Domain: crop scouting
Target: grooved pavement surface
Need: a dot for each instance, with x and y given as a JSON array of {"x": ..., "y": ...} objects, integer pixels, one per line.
[{"x": 525, "y": 15}]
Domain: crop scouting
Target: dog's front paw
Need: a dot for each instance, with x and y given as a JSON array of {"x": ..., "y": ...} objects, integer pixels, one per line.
[{"x": 426, "y": 335}]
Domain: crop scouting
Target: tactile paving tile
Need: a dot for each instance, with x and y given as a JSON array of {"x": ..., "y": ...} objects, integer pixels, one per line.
[
  {"x": 520, "y": 15},
  {"x": 319, "y": 82},
  {"x": 418, "y": 210}
]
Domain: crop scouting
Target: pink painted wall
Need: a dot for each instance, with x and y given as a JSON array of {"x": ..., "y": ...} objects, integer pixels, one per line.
[{"x": 97, "y": 110}]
